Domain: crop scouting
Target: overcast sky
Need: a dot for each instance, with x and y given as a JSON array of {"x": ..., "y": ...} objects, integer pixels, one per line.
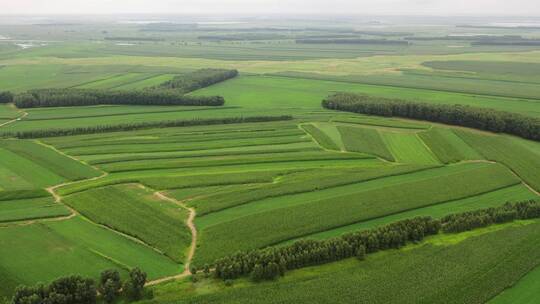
[{"x": 385, "y": 7}]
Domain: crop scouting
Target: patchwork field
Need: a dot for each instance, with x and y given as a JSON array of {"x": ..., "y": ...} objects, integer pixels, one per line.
[{"x": 171, "y": 147}]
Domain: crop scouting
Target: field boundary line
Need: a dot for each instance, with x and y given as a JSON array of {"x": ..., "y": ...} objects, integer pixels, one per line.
[
  {"x": 58, "y": 199},
  {"x": 103, "y": 173},
  {"x": 191, "y": 225},
  {"x": 527, "y": 99},
  {"x": 508, "y": 168},
  {"x": 15, "y": 119},
  {"x": 369, "y": 156},
  {"x": 393, "y": 213}
]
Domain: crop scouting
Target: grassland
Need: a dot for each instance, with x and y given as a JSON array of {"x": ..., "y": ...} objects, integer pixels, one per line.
[
  {"x": 71, "y": 246},
  {"x": 515, "y": 193},
  {"x": 302, "y": 214},
  {"x": 523, "y": 291},
  {"x": 364, "y": 140},
  {"x": 447, "y": 146},
  {"x": 496, "y": 257},
  {"x": 321, "y": 137},
  {"x": 408, "y": 148},
  {"x": 29, "y": 209},
  {"x": 137, "y": 212},
  {"x": 255, "y": 185},
  {"x": 523, "y": 161}
]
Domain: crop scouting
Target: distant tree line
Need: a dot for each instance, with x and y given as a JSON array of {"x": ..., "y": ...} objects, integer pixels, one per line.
[
  {"x": 6, "y": 97},
  {"x": 479, "y": 37},
  {"x": 135, "y": 38},
  {"x": 168, "y": 93},
  {"x": 198, "y": 79},
  {"x": 481, "y": 218},
  {"x": 461, "y": 115},
  {"x": 270, "y": 263},
  {"x": 78, "y": 290},
  {"x": 138, "y": 126},
  {"x": 352, "y": 41},
  {"x": 89, "y": 97},
  {"x": 520, "y": 42}
]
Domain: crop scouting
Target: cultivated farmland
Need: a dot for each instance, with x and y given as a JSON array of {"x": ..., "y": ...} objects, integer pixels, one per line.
[{"x": 178, "y": 148}]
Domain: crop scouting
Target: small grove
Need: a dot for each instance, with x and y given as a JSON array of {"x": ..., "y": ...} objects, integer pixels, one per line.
[
  {"x": 199, "y": 79},
  {"x": 269, "y": 263},
  {"x": 172, "y": 92},
  {"x": 78, "y": 290},
  {"x": 461, "y": 115}
]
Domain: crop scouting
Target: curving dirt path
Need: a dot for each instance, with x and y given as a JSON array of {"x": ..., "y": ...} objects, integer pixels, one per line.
[
  {"x": 191, "y": 225},
  {"x": 14, "y": 120}
]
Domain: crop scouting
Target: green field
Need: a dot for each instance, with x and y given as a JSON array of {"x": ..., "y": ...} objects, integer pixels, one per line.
[
  {"x": 29, "y": 209},
  {"x": 432, "y": 272},
  {"x": 523, "y": 291},
  {"x": 165, "y": 199},
  {"x": 71, "y": 246},
  {"x": 138, "y": 213}
]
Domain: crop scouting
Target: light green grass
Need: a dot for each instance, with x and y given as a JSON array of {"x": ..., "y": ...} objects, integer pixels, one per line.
[
  {"x": 321, "y": 137},
  {"x": 18, "y": 172},
  {"x": 269, "y": 196},
  {"x": 523, "y": 160},
  {"x": 341, "y": 206},
  {"x": 447, "y": 146},
  {"x": 331, "y": 131},
  {"x": 283, "y": 92},
  {"x": 424, "y": 273},
  {"x": 220, "y": 161},
  {"x": 44, "y": 252},
  {"x": 29, "y": 209},
  {"x": 137, "y": 212},
  {"x": 146, "y": 83},
  {"x": 382, "y": 122},
  {"x": 114, "y": 81},
  {"x": 46, "y": 157},
  {"x": 366, "y": 140},
  {"x": 494, "y": 198},
  {"x": 525, "y": 291},
  {"x": 408, "y": 148}
]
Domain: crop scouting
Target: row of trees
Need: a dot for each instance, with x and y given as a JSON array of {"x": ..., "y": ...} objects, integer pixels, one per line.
[
  {"x": 6, "y": 97},
  {"x": 168, "y": 93},
  {"x": 485, "y": 217},
  {"x": 462, "y": 115},
  {"x": 88, "y": 97},
  {"x": 199, "y": 79},
  {"x": 269, "y": 263},
  {"x": 141, "y": 125},
  {"x": 79, "y": 290}
]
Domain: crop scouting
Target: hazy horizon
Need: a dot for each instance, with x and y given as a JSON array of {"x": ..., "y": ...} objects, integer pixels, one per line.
[{"x": 524, "y": 8}]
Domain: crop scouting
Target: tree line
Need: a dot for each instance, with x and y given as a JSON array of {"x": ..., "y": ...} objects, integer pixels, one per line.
[
  {"x": 171, "y": 92},
  {"x": 461, "y": 115},
  {"x": 481, "y": 218},
  {"x": 90, "y": 97},
  {"x": 270, "y": 263},
  {"x": 40, "y": 133},
  {"x": 6, "y": 97},
  {"x": 78, "y": 290},
  {"x": 198, "y": 79}
]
